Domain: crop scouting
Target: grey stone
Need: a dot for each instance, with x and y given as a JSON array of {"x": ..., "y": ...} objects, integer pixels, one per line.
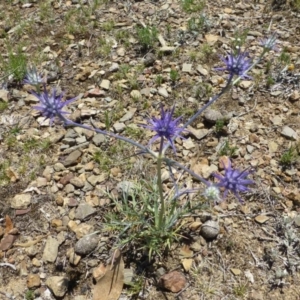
[
  {"x": 50, "y": 250},
  {"x": 83, "y": 211},
  {"x": 212, "y": 116},
  {"x": 114, "y": 67},
  {"x": 58, "y": 285},
  {"x": 98, "y": 139},
  {"x": 86, "y": 244},
  {"x": 163, "y": 92},
  {"x": 72, "y": 158},
  {"x": 290, "y": 133},
  {"x": 187, "y": 68},
  {"x": 77, "y": 182},
  {"x": 119, "y": 127},
  {"x": 128, "y": 115},
  {"x": 81, "y": 139},
  {"x": 94, "y": 179}
]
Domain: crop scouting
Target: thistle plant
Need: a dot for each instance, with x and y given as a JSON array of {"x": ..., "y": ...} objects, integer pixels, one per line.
[{"x": 163, "y": 211}]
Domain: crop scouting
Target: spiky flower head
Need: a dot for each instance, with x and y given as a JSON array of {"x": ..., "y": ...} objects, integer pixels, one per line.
[
  {"x": 233, "y": 180},
  {"x": 165, "y": 127},
  {"x": 212, "y": 193},
  {"x": 237, "y": 64},
  {"x": 32, "y": 76},
  {"x": 51, "y": 105},
  {"x": 269, "y": 43}
]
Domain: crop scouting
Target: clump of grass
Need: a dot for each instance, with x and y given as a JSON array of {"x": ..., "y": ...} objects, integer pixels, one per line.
[
  {"x": 174, "y": 75},
  {"x": 146, "y": 36},
  {"x": 228, "y": 150},
  {"x": 190, "y": 6},
  {"x": 3, "y": 105},
  {"x": 290, "y": 156},
  {"x": 15, "y": 65}
]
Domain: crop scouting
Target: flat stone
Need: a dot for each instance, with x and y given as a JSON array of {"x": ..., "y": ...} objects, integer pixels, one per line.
[
  {"x": 51, "y": 250},
  {"x": 33, "y": 281},
  {"x": 58, "y": 285},
  {"x": 245, "y": 84},
  {"x": 86, "y": 244},
  {"x": 81, "y": 229},
  {"x": 77, "y": 182},
  {"x": 72, "y": 158},
  {"x": 235, "y": 272},
  {"x": 98, "y": 139},
  {"x": 163, "y": 92},
  {"x": 173, "y": 281},
  {"x": 105, "y": 84},
  {"x": 83, "y": 211},
  {"x": 187, "y": 68},
  {"x": 128, "y": 116},
  {"x": 290, "y": 133},
  {"x": 94, "y": 179},
  {"x": 21, "y": 201},
  {"x": 188, "y": 144},
  {"x": 261, "y": 219},
  {"x": 119, "y": 127},
  {"x": 202, "y": 71},
  {"x": 212, "y": 116},
  {"x": 114, "y": 67}
]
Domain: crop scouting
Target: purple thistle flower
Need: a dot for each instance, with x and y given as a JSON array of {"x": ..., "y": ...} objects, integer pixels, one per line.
[
  {"x": 233, "y": 180},
  {"x": 33, "y": 77},
  {"x": 165, "y": 127},
  {"x": 51, "y": 105},
  {"x": 237, "y": 64}
]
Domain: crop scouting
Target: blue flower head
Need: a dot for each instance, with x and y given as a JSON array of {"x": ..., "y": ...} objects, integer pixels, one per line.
[
  {"x": 32, "y": 76},
  {"x": 165, "y": 127},
  {"x": 51, "y": 105},
  {"x": 233, "y": 180},
  {"x": 237, "y": 64}
]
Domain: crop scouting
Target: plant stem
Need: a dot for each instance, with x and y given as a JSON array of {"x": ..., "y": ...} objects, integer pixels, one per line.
[{"x": 161, "y": 220}]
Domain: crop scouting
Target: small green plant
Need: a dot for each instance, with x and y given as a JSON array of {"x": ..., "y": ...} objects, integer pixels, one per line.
[
  {"x": 137, "y": 217},
  {"x": 159, "y": 80},
  {"x": 206, "y": 51},
  {"x": 290, "y": 156},
  {"x": 108, "y": 26},
  {"x": 3, "y": 105},
  {"x": 174, "y": 75},
  {"x": 228, "y": 150},
  {"x": 198, "y": 24},
  {"x": 29, "y": 295},
  {"x": 240, "y": 37},
  {"x": 190, "y": 6},
  {"x": 270, "y": 81},
  {"x": 147, "y": 36},
  {"x": 284, "y": 57},
  {"x": 219, "y": 125},
  {"x": 240, "y": 290},
  {"x": 15, "y": 65}
]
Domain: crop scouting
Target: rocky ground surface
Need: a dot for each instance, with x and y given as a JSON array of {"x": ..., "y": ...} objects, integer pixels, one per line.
[{"x": 56, "y": 183}]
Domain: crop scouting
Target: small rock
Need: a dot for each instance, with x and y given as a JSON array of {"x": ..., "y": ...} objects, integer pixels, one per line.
[
  {"x": 202, "y": 71},
  {"x": 94, "y": 179},
  {"x": 74, "y": 259},
  {"x": 128, "y": 276},
  {"x": 212, "y": 116},
  {"x": 83, "y": 211},
  {"x": 187, "y": 68},
  {"x": 50, "y": 250},
  {"x": 236, "y": 272},
  {"x": 128, "y": 116},
  {"x": 77, "y": 182},
  {"x": 173, "y": 281},
  {"x": 105, "y": 84},
  {"x": 33, "y": 281},
  {"x": 21, "y": 201},
  {"x": 98, "y": 139},
  {"x": 149, "y": 59},
  {"x": 72, "y": 158},
  {"x": 210, "y": 229},
  {"x": 261, "y": 219},
  {"x": 245, "y": 84},
  {"x": 86, "y": 244},
  {"x": 81, "y": 229},
  {"x": 288, "y": 132},
  {"x": 163, "y": 92},
  {"x": 114, "y": 67},
  {"x": 273, "y": 146},
  {"x": 295, "y": 96},
  {"x": 119, "y": 127},
  {"x": 58, "y": 285}
]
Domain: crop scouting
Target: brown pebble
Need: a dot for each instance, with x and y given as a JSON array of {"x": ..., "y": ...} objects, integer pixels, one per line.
[{"x": 173, "y": 281}]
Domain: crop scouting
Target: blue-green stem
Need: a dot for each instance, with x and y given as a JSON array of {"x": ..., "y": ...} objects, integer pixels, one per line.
[{"x": 161, "y": 219}]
